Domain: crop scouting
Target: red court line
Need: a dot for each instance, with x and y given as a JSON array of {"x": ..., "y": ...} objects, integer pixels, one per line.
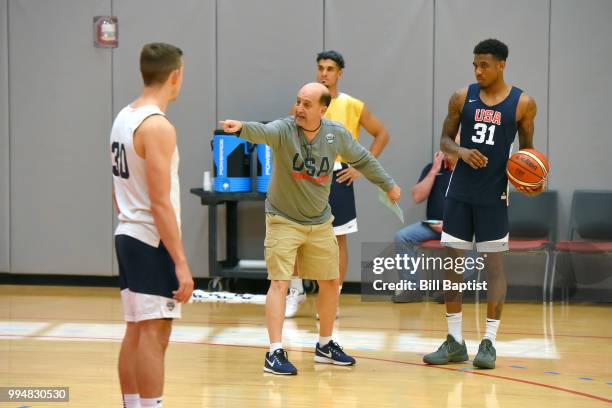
[{"x": 501, "y": 377}]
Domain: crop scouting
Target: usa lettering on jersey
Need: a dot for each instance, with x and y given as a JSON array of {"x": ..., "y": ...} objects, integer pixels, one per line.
[
  {"x": 487, "y": 116},
  {"x": 307, "y": 169}
]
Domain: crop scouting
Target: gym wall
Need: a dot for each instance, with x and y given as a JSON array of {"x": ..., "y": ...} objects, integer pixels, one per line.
[{"x": 246, "y": 60}]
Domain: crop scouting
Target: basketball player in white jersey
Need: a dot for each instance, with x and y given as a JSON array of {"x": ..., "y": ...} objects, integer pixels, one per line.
[{"x": 153, "y": 272}]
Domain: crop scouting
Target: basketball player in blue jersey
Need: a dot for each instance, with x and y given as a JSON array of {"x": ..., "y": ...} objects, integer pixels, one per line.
[{"x": 490, "y": 112}]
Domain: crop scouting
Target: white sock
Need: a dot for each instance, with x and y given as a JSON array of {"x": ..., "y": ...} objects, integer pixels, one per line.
[
  {"x": 296, "y": 283},
  {"x": 131, "y": 401},
  {"x": 152, "y": 402},
  {"x": 324, "y": 340},
  {"x": 339, "y": 289},
  {"x": 275, "y": 346},
  {"x": 491, "y": 330},
  {"x": 454, "y": 321}
]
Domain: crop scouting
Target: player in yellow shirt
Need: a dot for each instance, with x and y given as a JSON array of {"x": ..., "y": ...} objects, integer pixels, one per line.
[{"x": 352, "y": 114}]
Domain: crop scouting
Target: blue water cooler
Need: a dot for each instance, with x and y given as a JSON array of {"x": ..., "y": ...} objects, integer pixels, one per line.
[
  {"x": 232, "y": 163},
  {"x": 264, "y": 167}
]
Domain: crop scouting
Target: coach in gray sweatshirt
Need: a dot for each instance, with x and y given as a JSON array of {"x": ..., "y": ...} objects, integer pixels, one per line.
[{"x": 298, "y": 216}]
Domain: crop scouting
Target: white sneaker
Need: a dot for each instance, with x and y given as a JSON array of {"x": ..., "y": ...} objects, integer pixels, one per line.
[{"x": 294, "y": 300}]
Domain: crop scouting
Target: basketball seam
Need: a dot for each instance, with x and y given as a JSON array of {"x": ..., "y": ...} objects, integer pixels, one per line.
[
  {"x": 537, "y": 159},
  {"x": 519, "y": 164},
  {"x": 522, "y": 183}
]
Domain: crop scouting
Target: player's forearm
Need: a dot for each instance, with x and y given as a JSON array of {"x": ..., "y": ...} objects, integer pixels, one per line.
[
  {"x": 448, "y": 145},
  {"x": 380, "y": 141},
  {"x": 168, "y": 229}
]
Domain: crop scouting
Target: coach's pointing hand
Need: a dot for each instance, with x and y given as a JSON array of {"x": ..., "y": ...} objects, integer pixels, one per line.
[{"x": 231, "y": 126}]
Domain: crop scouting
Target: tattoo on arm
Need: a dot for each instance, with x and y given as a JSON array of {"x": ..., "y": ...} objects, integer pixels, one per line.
[
  {"x": 526, "y": 123},
  {"x": 451, "y": 123}
]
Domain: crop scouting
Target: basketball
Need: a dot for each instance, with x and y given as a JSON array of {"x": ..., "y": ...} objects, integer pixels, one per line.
[{"x": 527, "y": 168}]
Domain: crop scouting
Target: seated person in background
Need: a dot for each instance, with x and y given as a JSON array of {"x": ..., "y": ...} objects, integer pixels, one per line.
[{"x": 431, "y": 186}]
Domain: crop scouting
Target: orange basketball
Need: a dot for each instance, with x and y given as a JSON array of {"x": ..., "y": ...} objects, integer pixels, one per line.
[{"x": 528, "y": 168}]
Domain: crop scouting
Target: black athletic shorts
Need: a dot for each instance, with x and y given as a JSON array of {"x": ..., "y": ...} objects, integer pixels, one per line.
[
  {"x": 342, "y": 203},
  {"x": 143, "y": 268},
  {"x": 466, "y": 224}
]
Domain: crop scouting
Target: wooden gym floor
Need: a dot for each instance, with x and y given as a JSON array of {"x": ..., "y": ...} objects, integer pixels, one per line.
[{"x": 548, "y": 356}]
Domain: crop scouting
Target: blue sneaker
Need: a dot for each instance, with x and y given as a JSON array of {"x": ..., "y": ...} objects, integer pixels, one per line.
[
  {"x": 278, "y": 363},
  {"x": 332, "y": 353}
]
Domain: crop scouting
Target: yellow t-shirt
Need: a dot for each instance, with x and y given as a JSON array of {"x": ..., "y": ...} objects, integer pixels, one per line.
[{"x": 346, "y": 110}]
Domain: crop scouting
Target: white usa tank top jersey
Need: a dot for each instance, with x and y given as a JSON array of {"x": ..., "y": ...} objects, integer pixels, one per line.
[{"x": 130, "y": 181}]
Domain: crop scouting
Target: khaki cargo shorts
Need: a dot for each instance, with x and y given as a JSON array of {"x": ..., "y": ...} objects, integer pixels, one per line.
[{"x": 313, "y": 246}]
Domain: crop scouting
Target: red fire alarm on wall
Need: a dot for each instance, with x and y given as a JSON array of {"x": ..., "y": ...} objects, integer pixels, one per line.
[{"x": 106, "y": 32}]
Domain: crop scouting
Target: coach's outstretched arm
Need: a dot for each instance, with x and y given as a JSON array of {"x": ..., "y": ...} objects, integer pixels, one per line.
[
  {"x": 362, "y": 159},
  {"x": 254, "y": 132}
]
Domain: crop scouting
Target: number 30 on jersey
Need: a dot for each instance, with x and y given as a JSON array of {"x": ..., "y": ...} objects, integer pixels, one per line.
[{"x": 120, "y": 165}]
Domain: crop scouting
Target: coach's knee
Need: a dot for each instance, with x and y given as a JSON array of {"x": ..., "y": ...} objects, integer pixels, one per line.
[{"x": 328, "y": 284}]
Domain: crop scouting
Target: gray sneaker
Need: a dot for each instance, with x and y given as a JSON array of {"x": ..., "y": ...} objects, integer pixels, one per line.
[
  {"x": 486, "y": 355},
  {"x": 450, "y": 351}
]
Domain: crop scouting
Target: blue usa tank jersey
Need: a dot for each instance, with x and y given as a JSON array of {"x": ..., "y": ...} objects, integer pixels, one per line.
[{"x": 491, "y": 130}]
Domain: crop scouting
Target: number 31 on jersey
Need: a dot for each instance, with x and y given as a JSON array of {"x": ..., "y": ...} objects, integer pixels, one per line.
[{"x": 481, "y": 134}]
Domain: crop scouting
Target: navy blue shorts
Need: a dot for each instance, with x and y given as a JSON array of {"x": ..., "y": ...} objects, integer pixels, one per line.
[
  {"x": 143, "y": 268},
  {"x": 484, "y": 225},
  {"x": 342, "y": 203}
]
